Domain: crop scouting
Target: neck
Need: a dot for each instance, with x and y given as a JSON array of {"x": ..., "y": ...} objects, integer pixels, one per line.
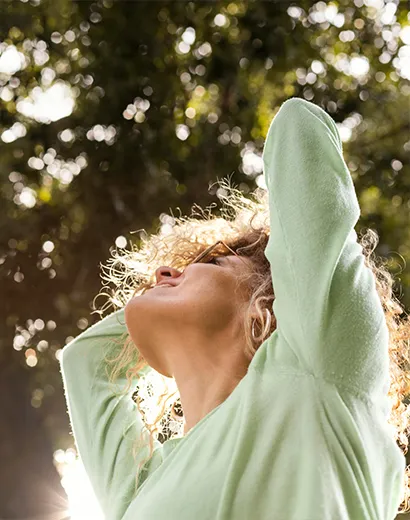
[{"x": 205, "y": 386}]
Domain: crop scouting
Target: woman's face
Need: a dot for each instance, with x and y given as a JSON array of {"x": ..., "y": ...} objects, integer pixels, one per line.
[{"x": 196, "y": 317}]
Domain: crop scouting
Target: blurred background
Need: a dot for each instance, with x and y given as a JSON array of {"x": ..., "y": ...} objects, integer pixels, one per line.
[{"x": 115, "y": 113}]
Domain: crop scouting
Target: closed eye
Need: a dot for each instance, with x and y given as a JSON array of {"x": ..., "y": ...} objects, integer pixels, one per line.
[{"x": 214, "y": 260}]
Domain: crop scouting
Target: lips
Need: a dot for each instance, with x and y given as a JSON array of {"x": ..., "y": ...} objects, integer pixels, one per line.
[{"x": 166, "y": 284}]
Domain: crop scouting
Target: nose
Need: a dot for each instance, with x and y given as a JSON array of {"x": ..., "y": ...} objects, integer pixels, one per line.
[{"x": 164, "y": 272}]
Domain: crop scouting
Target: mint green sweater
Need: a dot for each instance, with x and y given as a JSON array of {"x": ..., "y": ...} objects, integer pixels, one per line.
[{"x": 304, "y": 435}]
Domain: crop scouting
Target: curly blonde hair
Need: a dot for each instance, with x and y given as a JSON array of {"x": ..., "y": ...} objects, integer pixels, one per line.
[{"x": 243, "y": 225}]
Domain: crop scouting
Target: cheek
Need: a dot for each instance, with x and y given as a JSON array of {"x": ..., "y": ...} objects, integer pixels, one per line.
[{"x": 215, "y": 299}]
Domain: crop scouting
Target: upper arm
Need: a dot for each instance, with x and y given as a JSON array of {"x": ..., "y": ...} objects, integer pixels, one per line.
[
  {"x": 105, "y": 426},
  {"x": 326, "y": 304}
]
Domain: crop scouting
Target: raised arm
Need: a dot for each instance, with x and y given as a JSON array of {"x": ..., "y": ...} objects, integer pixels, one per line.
[
  {"x": 327, "y": 308},
  {"x": 104, "y": 426}
]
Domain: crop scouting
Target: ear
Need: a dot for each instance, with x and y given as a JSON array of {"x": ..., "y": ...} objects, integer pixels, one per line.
[{"x": 253, "y": 314}]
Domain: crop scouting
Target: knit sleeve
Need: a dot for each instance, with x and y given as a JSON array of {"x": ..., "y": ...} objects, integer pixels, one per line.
[
  {"x": 104, "y": 425},
  {"x": 327, "y": 307}
]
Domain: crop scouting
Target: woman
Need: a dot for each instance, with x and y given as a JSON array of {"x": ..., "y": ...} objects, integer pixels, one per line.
[{"x": 285, "y": 405}]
